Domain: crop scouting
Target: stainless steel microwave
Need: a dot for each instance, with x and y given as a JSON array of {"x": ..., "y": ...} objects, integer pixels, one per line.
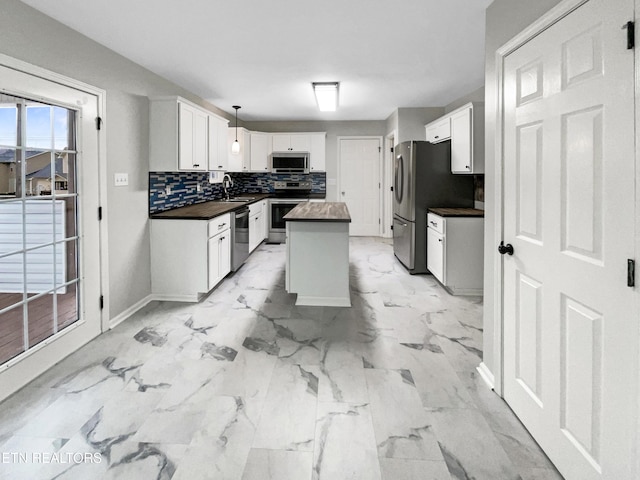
[{"x": 290, "y": 162}]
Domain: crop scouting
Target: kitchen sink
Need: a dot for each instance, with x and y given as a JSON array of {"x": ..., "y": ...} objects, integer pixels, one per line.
[
  {"x": 243, "y": 199},
  {"x": 235, "y": 200}
]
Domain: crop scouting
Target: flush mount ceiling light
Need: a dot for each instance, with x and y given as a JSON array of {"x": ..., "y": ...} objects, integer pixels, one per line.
[
  {"x": 235, "y": 146},
  {"x": 326, "y": 95}
]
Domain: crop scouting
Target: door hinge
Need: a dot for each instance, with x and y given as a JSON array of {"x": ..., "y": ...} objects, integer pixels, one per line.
[
  {"x": 101, "y": 302},
  {"x": 392, "y": 188},
  {"x": 391, "y": 149},
  {"x": 99, "y": 213},
  {"x": 98, "y": 123},
  {"x": 379, "y": 149},
  {"x": 631, "y": 273},
  {"x": 379, "y": 185},
  {"x": 391, "y": 227},
  {"x": 631, "y": 34},
  {"x": 379, "y": 222}
]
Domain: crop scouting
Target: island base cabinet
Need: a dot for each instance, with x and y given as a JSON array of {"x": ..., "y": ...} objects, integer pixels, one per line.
[{"x": 317, "y": 267}]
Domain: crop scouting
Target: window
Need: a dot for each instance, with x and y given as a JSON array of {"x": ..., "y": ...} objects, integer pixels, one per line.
[{"x": 38, "y": 223}]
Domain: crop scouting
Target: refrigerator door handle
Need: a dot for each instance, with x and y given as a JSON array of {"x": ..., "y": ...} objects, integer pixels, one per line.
[{"x": 398, "y": 190}]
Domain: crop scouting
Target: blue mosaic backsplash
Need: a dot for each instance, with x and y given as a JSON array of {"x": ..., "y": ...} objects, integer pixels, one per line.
[{"x": 184, "y": 187}]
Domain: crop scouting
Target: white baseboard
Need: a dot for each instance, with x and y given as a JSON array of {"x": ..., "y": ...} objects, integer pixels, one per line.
[
  {"x": 161, "y": 297},
  {"x": 118, "y": 319},
  {"x": 306, "y": 300},
  {"x": 486, "y": 375},
  {"x": 121, "y": 317}
]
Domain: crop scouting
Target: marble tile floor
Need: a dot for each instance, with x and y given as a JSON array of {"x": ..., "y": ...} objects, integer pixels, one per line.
[{"x": 245, "y": 385}]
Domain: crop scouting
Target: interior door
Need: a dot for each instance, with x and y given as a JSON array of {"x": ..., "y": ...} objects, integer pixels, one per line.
[
  {"x": 570, "y": 320},
  {"x": 360, "y": 183}
]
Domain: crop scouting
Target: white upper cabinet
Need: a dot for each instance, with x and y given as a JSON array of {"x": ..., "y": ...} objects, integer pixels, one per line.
[
  {"x": 192, "y": 133},
  {"x": 239, "y": 162},
  {"x": 465, "y": 128},
  {"x": 259, "y": 152},
  {"x": 291, "y": 142},
  {"x": 317, "y": 152},
  {"x": 467, "y": 139},
  {"x": 180, "y": 135},
  {"x": 438, "y": 131},
  {"x": 218, "y": 157}
]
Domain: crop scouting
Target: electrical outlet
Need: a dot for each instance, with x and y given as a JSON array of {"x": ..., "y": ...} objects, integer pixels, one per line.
[
  {"x": 198, "y": 187},
  {"x": 121, "y": 179},
  {"x": 167, "y": 190}
]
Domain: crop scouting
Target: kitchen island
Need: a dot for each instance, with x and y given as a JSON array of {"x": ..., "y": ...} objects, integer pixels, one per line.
[{"x": 318, "y": 254}]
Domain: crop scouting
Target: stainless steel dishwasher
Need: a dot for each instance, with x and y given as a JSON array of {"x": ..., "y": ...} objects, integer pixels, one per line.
[{"x": 239, "y": 237}]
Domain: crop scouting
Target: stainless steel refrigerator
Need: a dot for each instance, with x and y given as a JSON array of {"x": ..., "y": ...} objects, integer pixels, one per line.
[{"x": 422, "y": 180}]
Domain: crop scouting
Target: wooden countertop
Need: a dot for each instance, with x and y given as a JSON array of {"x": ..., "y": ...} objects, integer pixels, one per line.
[
  {"x": 207, "y": 210},
  {"x": 457, "y": 212},
  {"x": 319, "y": 212}
]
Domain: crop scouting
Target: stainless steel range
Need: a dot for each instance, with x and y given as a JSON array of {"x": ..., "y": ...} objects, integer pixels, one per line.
[{"x": 287, "y": 196}]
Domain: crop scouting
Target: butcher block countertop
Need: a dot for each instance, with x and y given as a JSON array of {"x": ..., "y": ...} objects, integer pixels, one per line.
[
  {"x": 207, "y": 210},
  {"x": 457, "y": 212},
  {"x": 319, "y": 212}
]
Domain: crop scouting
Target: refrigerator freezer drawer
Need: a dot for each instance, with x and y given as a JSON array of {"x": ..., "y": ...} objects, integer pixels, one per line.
[{"x": 404, "y": 242}]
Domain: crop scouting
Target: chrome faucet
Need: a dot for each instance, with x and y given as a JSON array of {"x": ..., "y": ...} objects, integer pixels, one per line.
[{"x": 226, "y": 184}]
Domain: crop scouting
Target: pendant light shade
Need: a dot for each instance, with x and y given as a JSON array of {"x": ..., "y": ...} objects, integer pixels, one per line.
[{"x": 235, "y": 146}]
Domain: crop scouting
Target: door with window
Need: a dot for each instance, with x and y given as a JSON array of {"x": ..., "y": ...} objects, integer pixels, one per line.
[
  {"x": 570, "y": 318},
  {"x": 49, "y": 227}
]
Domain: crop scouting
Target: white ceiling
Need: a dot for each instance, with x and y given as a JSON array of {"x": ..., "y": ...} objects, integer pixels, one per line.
[{"x": 263, "y": 55}]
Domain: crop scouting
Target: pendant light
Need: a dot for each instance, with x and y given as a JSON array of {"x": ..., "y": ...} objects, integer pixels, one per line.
[{"x": 235, "y": 147}]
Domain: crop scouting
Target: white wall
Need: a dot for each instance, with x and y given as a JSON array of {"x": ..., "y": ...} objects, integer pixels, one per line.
[
  {"x": 504, "y": 19},
  {"x": 411, "y": 122},
  {"x": 334, "y": 130},
  {"x": 475, "y": 96},
  {"x": 30, "y": 36}
]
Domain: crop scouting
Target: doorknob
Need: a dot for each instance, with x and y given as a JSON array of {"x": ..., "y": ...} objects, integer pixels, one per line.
[
  {"x": 508, "y": 248},
  {"x": 342, "y": 193}
]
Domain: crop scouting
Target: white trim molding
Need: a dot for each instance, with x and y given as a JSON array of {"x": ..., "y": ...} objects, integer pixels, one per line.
[
  {"x": 122, "y": 316},
  {"x": 486, "y": 375}
]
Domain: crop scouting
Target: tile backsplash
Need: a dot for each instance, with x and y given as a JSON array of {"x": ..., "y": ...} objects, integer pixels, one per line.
[{"x": 184, "y": 187}]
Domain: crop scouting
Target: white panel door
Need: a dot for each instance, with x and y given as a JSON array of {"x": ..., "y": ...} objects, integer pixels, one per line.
[
  {"x": 360, "y": 183},
  {"x": 570, "y": 325}
]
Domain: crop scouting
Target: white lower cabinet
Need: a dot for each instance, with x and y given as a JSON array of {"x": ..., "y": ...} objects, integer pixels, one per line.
[
  {"x": 455, "y": 252},
  {"x": 265, "y": 218},
  {"x": 256, "y": 225},
  {"x": 219, "y": 258},
  {"x": 435, "y": 250},
  {"x": 189, "y": 257}
]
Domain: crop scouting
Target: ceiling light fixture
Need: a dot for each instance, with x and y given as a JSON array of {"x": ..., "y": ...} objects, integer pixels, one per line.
[
  {"x": 326, "y": 95},
  {"x": 235, "y": 146}
]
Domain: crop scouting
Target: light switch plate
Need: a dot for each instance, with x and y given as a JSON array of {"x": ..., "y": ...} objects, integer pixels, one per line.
[{"x": 121, "y": 179}]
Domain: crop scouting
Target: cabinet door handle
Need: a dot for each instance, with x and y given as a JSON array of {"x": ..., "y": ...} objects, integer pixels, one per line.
[
  {"x": 434, "y": 224},
  {"x": 196, "y": 165},
  {"x": 467, "y": 167},
  {"x": 221, "y": 238},
  {"x": 221, "y": 225},
  {"x": 437, "y": 136},
  {"x": 440, "y": 240}
]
